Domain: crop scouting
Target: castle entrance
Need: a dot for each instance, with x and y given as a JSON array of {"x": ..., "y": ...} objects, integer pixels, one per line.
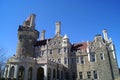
[{"x": 40, "y": 73}]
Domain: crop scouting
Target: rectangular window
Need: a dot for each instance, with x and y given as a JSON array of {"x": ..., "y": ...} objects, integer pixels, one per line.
[
  {"x": 101, "y": 56},
  {"x": 80, "y": 75},
  {"x": 89, "y": 75},
  {"x": 82, "y": 60},
  {"x": 50, "y": 51},
  {"x": 68, "y": 50},
  {"x": 58, "y": 51},
  {"x": 72, "y": 60},
  {"x": 65, "y": 50},
  {"x": 59, "y": 60},
  {"x": 92, "y": 57},
  {"x": 95, "y": 75},
  {"x": 42, "y": 53},
  {"x": 73, "y": 75},
  {"x": 65, "y": 60},
  {"x": 77, "y": 59}
]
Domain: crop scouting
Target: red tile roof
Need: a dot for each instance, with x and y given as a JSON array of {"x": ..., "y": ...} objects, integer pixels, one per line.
[
  {"x": 79, "y": 46},
  {"x": 75, "y": 46}
]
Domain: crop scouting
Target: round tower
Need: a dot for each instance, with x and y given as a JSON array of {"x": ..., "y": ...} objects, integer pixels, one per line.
[{"x": 27, "y": 37}]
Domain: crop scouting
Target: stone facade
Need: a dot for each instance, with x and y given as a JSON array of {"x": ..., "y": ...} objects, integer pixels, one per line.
[{"x": 58, "y": 59}]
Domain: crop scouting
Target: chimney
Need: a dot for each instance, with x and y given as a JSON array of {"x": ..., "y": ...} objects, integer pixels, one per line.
[
  {"x": 105, "y": 35},
  {"x": 42, "y": 35},
  {"x": 32, "y": 20},
  {"x": 58, "y": 28}
]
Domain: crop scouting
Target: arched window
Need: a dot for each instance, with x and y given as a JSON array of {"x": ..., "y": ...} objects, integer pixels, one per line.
[
  {"x": 30, "y": 73},
  {"x": 21, "y": 73},
  {"x": 49, "y": 74},
  {"x": 40, "y": 73},
  {"x": 12, "y": 69}
]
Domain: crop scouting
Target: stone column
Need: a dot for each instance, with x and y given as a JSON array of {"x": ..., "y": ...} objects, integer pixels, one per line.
[
  {"x": 45, "y": 72},
  {"x": 51, "y": 74},
  {"x": 5, "y": 72},
  {"x": 34, "y": 73},
  {"x": 8, "y": 72},
  {"x": 16, "y": 72},
  {"x": 26, "y": 73}
]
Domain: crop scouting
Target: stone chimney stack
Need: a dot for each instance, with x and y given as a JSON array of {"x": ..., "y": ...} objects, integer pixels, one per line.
[
  {"x": 58, "y": 28},
  {"x": 42, "y": 37},
  {"x": 105, "y": 35},
  {"x": 32, "y": 20}
]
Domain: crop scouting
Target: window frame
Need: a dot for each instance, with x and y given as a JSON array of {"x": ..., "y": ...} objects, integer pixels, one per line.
[{"x": 92, "y": 58}]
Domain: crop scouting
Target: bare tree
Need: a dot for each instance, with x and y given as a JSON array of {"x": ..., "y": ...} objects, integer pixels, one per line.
[{"x": 3, "y": 59}]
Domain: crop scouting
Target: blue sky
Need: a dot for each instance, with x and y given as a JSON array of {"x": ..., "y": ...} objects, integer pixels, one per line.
[{"x": 81, "y": 20}]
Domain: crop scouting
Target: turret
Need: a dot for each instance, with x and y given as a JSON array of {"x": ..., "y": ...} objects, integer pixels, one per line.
[
  {"x": 27, "y": 37},
  {"x": 65, "y": 41},
  {"x": 105, "y": 35}
]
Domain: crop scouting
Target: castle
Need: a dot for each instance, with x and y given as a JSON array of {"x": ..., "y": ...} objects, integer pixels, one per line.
[{"x": 57, "y": 58}]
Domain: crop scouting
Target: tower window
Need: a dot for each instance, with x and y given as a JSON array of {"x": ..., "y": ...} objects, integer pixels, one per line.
[
  {"x": 92, "y": 57},
  {"x": 95, "y": 75},
  {"x": 80, "y": 75},
  {"x": 65, "y": 42},
  {"x": 89, "y": 75},
  {"x": 65, "y": 50},
  {"x": 101, "y": 56}
]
